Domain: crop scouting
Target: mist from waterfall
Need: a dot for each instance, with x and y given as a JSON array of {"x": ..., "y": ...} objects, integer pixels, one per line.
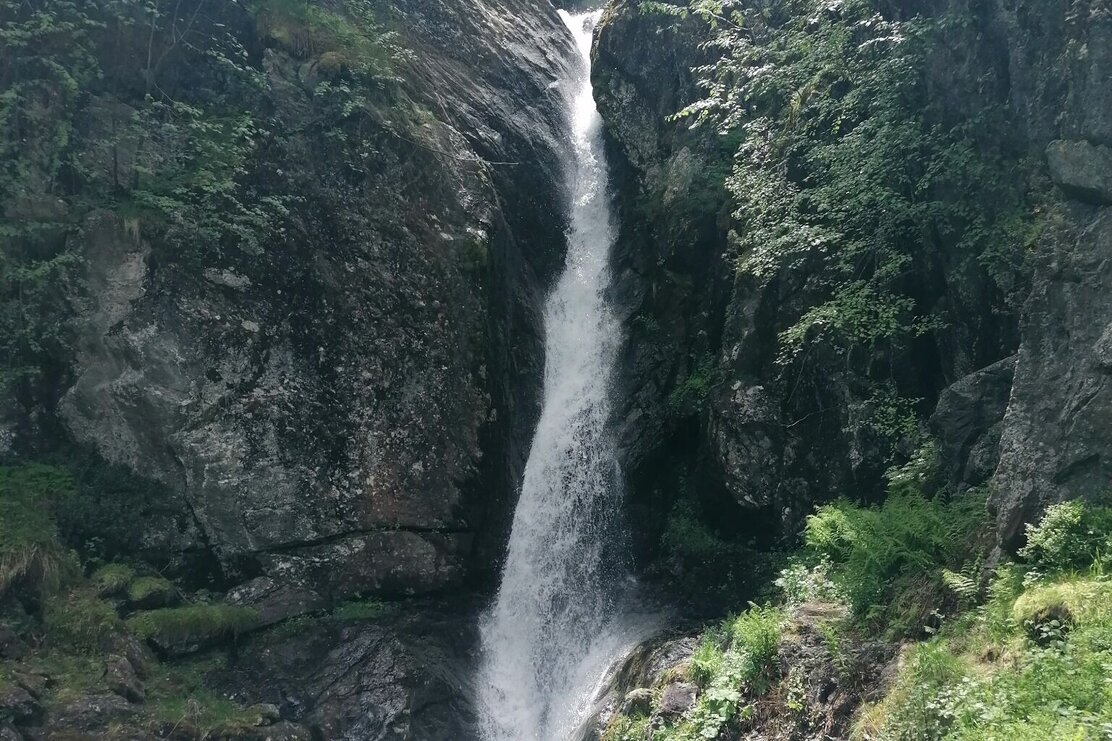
[{"x": 562, "y": 615}]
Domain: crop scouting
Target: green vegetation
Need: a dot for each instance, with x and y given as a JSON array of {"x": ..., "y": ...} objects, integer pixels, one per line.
[
  {"x": 152, "y": 591},
  {"x": 695, "y": 388},
  {"x": 181, "y": 693},
  {"x": 1031, "y": 661},
  {"x": 733, "y": 665},
  {"x": 81, "y": 622},
  {"x": 853, "y": 182},
  {"x": 889, "y": 562},
  {"x": 112, "y": 579},
  {"x": 364, "y": 609},
  {"x": 29, "y": 547},
  {"x": 193, "y": 624}
]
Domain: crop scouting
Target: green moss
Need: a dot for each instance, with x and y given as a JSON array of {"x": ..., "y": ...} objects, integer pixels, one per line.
[
  {"x": 112, "y": 579},
  {"x": 366, "y": 609},
  {"x": 178, "y": 626},
  {"x": 152, "y": 590},
  {"x": 689, "y": 395}
]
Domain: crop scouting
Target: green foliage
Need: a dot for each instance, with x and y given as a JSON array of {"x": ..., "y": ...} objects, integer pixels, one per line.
[
  {"x": 347, "y": 35},
  {"x": 850, "y": 172},
  {"x": 622, "y": 728},
  {"x": 193, "y": 624},
  {"x": 1070, "y": 536},
  {"x": 182, "y": 693},
  {"x": 889, "y": 561},
  {"x": 81, "y": 622},
  {"x": 29, "y": 547},
  {"x": 112, "y": 579},
  {"x": 152, "y": 591},
  {"x": 732, "y": 661},
  {"x": 691, "y": 394},
  {"x": 1031, "y": 662},
  {"x": 801, "y": 583}
]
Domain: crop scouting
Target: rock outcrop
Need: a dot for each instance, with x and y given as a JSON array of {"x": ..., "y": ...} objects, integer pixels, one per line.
[
  {"x": 710, "y": 409},
  {"x": 347, "y": 402}
]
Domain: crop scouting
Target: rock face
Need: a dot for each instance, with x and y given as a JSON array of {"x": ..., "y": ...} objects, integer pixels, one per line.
[
  {"x": 1055, "y": 441},
  {"x": 390, "y": 680},
  {"x": 708, "y": 407},
  {"x": 346, "y": 404}
]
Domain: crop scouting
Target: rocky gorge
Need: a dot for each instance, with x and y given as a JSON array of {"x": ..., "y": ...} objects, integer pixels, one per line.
[{"x": 272, "y": 293}]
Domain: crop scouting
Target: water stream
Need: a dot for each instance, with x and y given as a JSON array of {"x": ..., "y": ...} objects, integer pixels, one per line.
[{"x": 563, "y": 612}]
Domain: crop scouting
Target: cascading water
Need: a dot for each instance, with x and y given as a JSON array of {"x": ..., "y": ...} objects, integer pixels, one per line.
[{"x": 560, "y": 618}]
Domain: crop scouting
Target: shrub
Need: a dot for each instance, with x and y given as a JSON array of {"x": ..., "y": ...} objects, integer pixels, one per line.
[
  {"x": 706, "y": 660},
  {"x": 1070, "y": 536},
  {"x": 756, "y": 632},
  {"x": 193, "y": 624},
  {"x": 889, "y": 560},
  {"x": 802, "y": 583}
]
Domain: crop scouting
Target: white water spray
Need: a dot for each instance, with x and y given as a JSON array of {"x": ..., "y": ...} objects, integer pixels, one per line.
[{"x": 560, "y": 619}]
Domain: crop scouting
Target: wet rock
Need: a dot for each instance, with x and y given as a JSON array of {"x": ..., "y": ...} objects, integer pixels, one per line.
[
  {"x": 264, "y": 714},
  {"x": 121, "y": 678},
  {"x": 276, "y": 601},
  {"x": 361, "y": 390},
  {"x": 1084, "y": 170},
  {"x": 405, "y": 676},
  {"x": 678, "y": 698},
  {"x": 637, "y": 702}
]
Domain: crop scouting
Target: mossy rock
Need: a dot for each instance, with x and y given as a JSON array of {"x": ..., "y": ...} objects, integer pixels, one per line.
[
  {"x": 151, "y": 592},
  {"x": 113, "y": 580},
  {"x": 179, "y": 630}
]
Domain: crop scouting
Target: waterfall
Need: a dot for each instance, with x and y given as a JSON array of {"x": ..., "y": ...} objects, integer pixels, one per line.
[{"x": 560, "y": 617}]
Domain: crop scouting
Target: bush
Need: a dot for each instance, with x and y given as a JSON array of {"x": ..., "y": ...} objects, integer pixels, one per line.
[
  {"x": 193, "y": 624},
  {"x": 756, "y": 632},
  {"x": 1070, "y": 536},
  {"x": 889, "y": 560}
]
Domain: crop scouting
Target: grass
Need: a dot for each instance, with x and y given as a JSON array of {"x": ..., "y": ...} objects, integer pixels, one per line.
[
  {"x": 112, "y": 579},
  {"x": 179, "y": 693},
  {"x": 29, "y": 548},
  {"x": 81, "y": 622},
  {"x": 182, "y": 626},
  {"x": 152, "y": 590}
]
